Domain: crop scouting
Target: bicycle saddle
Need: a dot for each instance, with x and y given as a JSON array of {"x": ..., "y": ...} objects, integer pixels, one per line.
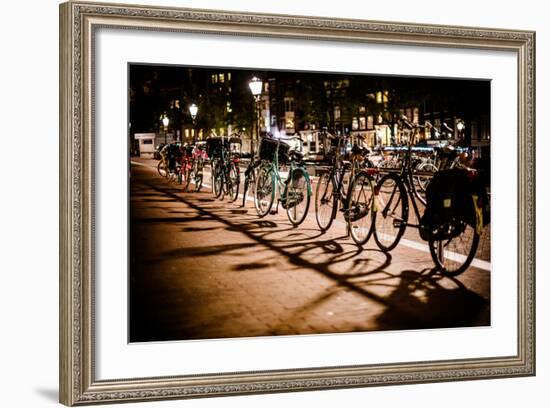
[{"x": 295, "y": 154}]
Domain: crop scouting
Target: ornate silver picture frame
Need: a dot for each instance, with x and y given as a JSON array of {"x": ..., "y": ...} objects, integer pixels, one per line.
[{"x": 79, "y": 22}]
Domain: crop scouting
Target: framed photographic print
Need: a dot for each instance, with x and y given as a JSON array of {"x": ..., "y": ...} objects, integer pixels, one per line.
[{"x": 256, "y": 203}]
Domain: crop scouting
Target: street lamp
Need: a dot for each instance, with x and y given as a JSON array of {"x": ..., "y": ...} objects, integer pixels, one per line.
[
  {"x": 165, "y": 121},
  {"x": 193, "y": 110},
  {"x": 255, "y": 85},
  {"x": 460, "y": 126}
]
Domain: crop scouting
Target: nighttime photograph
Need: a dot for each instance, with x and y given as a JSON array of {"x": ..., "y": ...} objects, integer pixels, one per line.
[{"x": 277, "y": 203}]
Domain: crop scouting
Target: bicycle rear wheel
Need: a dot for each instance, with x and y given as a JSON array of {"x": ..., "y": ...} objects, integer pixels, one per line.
[
  {"x": 264, "y": 193},
  {"x": 326, "y": 202},
  {"x": 391, "y": 212},
  {"x": 297, "y": 196},
  {"x": 452, "y": 256},
  {"x": 358, "y": 212}
]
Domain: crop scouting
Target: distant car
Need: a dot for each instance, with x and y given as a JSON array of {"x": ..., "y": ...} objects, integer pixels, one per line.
[{"x": 159, "y": 147}]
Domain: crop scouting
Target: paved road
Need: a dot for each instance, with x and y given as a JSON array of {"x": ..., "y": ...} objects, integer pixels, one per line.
[{"x": 203, "y": 268}]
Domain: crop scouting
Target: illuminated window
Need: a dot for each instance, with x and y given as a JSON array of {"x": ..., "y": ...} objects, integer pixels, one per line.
[
  {"x": 336, "y": 113},
  {"x": 370, "y": 122},
  {"x": 214, "y": 78},
  {"x": 362, "y": 109},
  {"x": 354, "y": 124},
  {"x": 362, "y": 122},
  {"x": 379, "y": 118},
  {"x": 416, "y": 115},
  {"x": 289, "y": 123},
  {"x": 289, "y": 104},
  {"x": 379, "y": 97},
  {"x": 229, "y": 107},
  {"x": 408, "y": 113},
  {"x": 222, "y": 77},
  {"x": 229, "y": 76},
  {"x": 386, "y": 96}
]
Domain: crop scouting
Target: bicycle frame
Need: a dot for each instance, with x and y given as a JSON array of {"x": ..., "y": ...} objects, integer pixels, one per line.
[
  {"x": 405, "y": 176},
  {"x": 280, "y": 184}
]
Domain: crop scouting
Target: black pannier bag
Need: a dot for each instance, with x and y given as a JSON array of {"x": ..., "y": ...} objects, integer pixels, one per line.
[
  {"x": 450, "y": 199},
  {"x": 268, "y": 147},
  {"x": 214, "y": 146}
]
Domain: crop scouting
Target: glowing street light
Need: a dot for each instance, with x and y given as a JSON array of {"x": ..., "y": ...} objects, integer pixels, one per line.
[
  {"x": 193, "y": 110},
  {"x": 255, "y": 85},
  {"x": 165, "y": 121}
]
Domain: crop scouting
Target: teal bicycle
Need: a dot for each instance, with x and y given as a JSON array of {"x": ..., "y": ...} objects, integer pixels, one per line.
[{"x": 294, "y": 192}]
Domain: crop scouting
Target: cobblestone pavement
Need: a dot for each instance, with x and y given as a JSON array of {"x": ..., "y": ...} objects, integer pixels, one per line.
[{"x": 201, "y": 268}]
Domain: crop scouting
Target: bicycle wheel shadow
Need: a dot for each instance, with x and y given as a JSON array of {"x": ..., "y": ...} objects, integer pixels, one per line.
[
  {"x": 424, "y": 299},
  {"x": 387, "y": 296}
]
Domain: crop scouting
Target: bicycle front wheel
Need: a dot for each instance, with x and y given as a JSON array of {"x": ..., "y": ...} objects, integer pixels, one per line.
[
  {"x": 264, "y": 193},
  {"x": 233, "y": 182},
  {"x": 326, "y": 202},
  {"x": 186, "y": 177},
  {"x": 213, "y": 176},
  {"x": 162, "y": 169},
  {"x": 452, "y": 256},
  {"x": 391, "y": 212},
  {"x": 297, "y": 196},
  {"x": 359, "y": 214},
  {"x": 198, "y": 167},
  {"x": 249, "y": 187}
]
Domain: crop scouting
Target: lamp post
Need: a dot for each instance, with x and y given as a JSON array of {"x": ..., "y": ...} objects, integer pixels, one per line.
[
  {"x": 460, "y": 126},
  {"x": 193, "y": 110},
  {"x": 255, "y": 85},
  {"x": 165, "y": 122}
]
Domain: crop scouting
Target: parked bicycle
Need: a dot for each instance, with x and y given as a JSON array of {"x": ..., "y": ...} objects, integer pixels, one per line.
[
  {"x": 294, "y": 192},
  {"x": 224, "y": 167},
  {"x": 355, "y": 201},
  {"x": 193, "y": 166},
  {"x": 452, "y": 243}
]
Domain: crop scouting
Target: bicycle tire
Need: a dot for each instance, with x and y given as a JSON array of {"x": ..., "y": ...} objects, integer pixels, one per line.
[
  {"x": 358, "y": 213},
  {"x": 391, "y": 205},
  {"x": 234, "y": 181},
  {"x": 321, "y": 200},
  {"x": 453, "y": 263},
  {"x": 265, "y": 188},
  {"x": 213, "y": 166},
  {"x": 161, "y": 168},
  {"x": 186, "y": 179},
  {"x": 249, "y": 186},
  {"x": 298, "y": 191}
]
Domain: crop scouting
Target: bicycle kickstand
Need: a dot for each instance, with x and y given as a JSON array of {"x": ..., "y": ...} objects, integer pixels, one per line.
[{"x": 276, "y": 208}]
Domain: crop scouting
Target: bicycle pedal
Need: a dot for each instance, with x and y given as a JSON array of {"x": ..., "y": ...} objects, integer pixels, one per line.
[{"x": 398, "y": 223}]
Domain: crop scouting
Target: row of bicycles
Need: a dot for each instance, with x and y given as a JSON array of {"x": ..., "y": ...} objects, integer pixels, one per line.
[{"x": 430, "y": 190}]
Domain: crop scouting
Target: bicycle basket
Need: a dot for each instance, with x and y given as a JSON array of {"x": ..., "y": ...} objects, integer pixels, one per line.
[
  {"x": 268, "y": 147},
  {"x": 450, "y": 204},
  {"x": 214, "y": 146}
]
